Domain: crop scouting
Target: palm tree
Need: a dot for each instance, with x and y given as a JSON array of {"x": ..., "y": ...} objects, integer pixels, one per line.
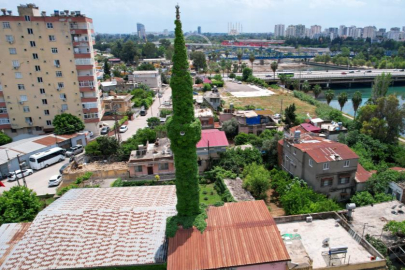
[
  {"x": 342, "y": 99},
  {"x": 228, "y": 66},
  {"x": 252, "y": 59},
  {"x": 283, "y": 78},
  {"x": 317, "y": 90},
  {"x": 239, "y": 54},
  {"x": 226, "y": 53},
  {"x": 288, "y": 81},
  {"x": 356, "y": 99},
  {"x": 274, "y": 67},
  {"x": 329, "y": 95},
  {"x": 306, "y": 87},
  {"x": 222, "y": 65}
]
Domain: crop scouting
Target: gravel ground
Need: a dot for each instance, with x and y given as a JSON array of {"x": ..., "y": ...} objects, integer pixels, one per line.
[{"x": 237, "y": 191}]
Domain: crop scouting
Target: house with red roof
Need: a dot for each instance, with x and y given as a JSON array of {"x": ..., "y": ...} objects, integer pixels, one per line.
[
  {"x": 328, "y": 167},
  {"x": 212, "y": 143}
]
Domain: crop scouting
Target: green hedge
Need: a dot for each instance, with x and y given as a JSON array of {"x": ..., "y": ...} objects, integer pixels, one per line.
[
  {"x": 120, "y": 183},
  {"x": 217, "y": 83}
]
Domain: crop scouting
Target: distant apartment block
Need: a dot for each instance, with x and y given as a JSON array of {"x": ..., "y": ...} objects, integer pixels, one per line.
[
  {"x": 199, "y": 30},
  {"x": 315, "y": 29},
  {"x": 47, "y": 69},
  {"x": 369, "y": 32},
  {"x": 140, "y": 29},
  {"x": 279, "y": 30},
  {"x": 150, "y": 78},
  {"x": 290, "y": 31}
]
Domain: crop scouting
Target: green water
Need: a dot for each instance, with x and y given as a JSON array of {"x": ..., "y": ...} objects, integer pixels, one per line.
[{"x": 399, "y": 91}]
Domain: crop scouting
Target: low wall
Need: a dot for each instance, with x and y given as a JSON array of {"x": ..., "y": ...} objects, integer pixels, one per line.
[{"x": 70, "y": 178}]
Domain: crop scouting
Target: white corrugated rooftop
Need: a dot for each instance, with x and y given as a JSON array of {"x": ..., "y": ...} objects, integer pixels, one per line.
[{"x": 98, "y": 227}]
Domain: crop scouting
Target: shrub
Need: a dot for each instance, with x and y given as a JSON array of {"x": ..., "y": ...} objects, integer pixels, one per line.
[
  {"x": 239, "y": 78},
  {"x": 4, "y": 138},
  {"x": 217, "y": 83},
  {"x": 232, "y": 75},
  {"x": 207, "y": 87},
  {"x": 117, "y": 183},
  {"x": 205, "y": 198},
  {"x": 204, "y": 192}
]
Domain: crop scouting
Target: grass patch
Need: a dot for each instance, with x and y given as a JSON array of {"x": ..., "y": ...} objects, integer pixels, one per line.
[{"x": 208, "y": 191}]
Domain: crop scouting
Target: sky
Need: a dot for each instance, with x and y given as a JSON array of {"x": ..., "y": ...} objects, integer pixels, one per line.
[{"x": 121, "y": 16}]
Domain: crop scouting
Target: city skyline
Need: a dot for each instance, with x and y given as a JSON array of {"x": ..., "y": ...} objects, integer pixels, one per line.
[{"x": 256, "y": 16}]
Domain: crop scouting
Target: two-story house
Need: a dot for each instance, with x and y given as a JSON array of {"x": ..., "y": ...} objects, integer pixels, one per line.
[
  {"x": 328, "y": 167},
  {"x": 206, "y": 117},
  {"x": 213, "y": 98}
]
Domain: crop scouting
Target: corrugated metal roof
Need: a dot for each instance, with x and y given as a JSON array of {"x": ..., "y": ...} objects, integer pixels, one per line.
[
  {"x": 398, "y": 169},
  {"x": 98, "y": 227},
  {"x": 310, "y": 128},
  {"x": 10, "y": 235},
  {"x": 361, "y": 174},
  {"x": 215, "y": 138},
  {"x": 237, "y": 234}
]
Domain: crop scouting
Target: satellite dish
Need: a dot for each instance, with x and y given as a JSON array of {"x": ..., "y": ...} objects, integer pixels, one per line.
[{"x": 325, "y": 241}]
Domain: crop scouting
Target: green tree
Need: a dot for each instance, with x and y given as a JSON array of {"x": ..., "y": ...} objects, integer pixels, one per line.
[
  {"x": 342, "y": 99},
  {"x": 239, "y": 54},
  {"x": 296, "y": 84},
  {"x": 128, "y": 51},
  {"x": 106, "y": 68},
  {"x": 226, "y": 53},
  {"x": 380, "y": 86},
  {"x": 4, "y": 139},
  {"x": 207, "y": 87},
  {"x": 153, "y": 122},
  {"x": 356, "y": 100},
  {"x": 165, "y": 43},
  {"x": 198, "y": 80},
  {"x": 145, "y": 66},
  {"x": 401, "y": 51},
  {"x": 252, "y": 59},
  {"x": 67, "y": 123},
  {"x": 149, "y": 50},
  {"x": 257, "y": 180},
  {"x": 230, "y": 127},
  {"x": 169, "y": 53},
  {"x": 306, "y": 87},
  {"x": 228, "y": 66},
  {"x": 19, "y": 204},
  {"x": 345, "y": 52},
  {"x": 236, "y": 160},
  {"x": 317, "y": 90},
  {"x": 199, "y": 61},
  {"x": 184, "y": 130},
  {"x": 247, "y": 72},
  {"x": 274, "y": 67},
  {"x": 103, "y": 146},
  {"x": 290, "y": 116},
  {"x": 329, "y": 95}
]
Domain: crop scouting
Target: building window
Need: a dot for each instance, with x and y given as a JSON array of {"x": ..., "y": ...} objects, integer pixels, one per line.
[
  {"x": 35, "y": 55},
  {"x": 42, "y": 90},
  {"x": 6, "y": 25},
  {"x": 3, "y": 109},
  {"x": 46, "y": 112},
  {"x": 90, "y": 105},
  {"x": 16, "y": 63},
  {"x": 56, "y": 63},
  {"x": 40, "y": 79},
  {"x": 12, "y": 51},
  {"x": 21, "y": 86},
  {"x": 347, "y": 163},
  {"x": 23, "y": 98},
  {"x": 13, "y": 130},
  {"x": 138, "y": 169},
  {"x": 326, "y": 182},
  {"x": 37, "y": 68},
  {"x": 30, "y": 32},
  {"x": 44, "y": 102},
  {"x": 52, "y": 38},
  {"x": 311, "y": 163},
  {"x": 10, "y": 39},
  {"x": 18, "y": 75},
  {"x": 26, "y": 109},
  {"x": 49, "y": 25},
  {"x": 62, "y": 96},
  {"x": 27, "y": 18},
  {"x": 163, "y": 166},
  {"x": 38, "y": 128},
  {"x": 90, "y": 115},
  {"x": 48, "y": 122},
  {"x": 54, "y": 50},
  {"x": 64, "y": 107},
  {"x": 32, "y": 43},
  {"x": 58, "y": 73},
  {"x": 344, "y": 180},
  {"x": 61, "y": 85},
  {"x": 4, "y": 121},
  {"x": 326, "y": 166}
]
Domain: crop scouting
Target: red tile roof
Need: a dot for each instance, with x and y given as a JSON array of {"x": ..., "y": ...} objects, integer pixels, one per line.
[
  {"x": 242, "y": 233},
  {"x": 298, "y": 128},
  {"x": 324, "y": 150},
  {"x": 206, "y": 80},
  {"x": 214, "y": 137},
  {"x": 49, "y": 140},
  {"x": 361, "y": 174},
  {"x": 398, "y": 169},
  {"x": 310, "y": 128}
]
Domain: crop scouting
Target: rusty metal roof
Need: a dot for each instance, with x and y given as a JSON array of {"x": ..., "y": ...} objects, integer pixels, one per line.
[
  {"x": 98, "y": 227},
  {"x": 237, "y": 234},
  {"x": 10, "y": 235},
  {"x": 361, "y": 174}
]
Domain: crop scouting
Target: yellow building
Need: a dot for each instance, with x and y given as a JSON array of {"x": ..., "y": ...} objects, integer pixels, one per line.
[{"x": 47, "y": 68}]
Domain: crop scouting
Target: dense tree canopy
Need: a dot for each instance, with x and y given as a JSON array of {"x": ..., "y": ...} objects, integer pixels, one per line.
[
  {"x": 4, "y": 138},
  {"x": 67, "y": 123}
]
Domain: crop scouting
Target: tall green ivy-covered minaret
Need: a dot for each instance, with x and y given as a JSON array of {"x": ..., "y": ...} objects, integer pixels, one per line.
[{"x": 184, "y": 130}]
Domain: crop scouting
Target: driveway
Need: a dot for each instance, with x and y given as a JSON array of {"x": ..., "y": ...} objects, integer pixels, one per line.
[{"x": 38, "y": 181}]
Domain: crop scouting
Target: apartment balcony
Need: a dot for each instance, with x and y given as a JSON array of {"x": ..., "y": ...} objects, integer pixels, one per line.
[
  {"x": 84, "y": 67},
  {"x": 3, "y": 104},
  {"x": 92, "y": 120},
  {"x": 87, "y": 89},
  {"x": 3, "y": 115},
  {"x": 79, "y": 31},
  {"x": 3, "y": 126},
  {"x": 86, "y": 77},
  {"x": 82, "y": 55},
  {"x": 89, "y": 99},
  {"x": 91, "y": 110}
]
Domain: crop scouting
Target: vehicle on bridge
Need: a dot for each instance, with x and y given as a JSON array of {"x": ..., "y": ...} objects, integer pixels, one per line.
[{"x": 288, "y": 74}]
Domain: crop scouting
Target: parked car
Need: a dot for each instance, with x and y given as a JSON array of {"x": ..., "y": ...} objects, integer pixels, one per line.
[
  {"x": 123, "y": 128},
  {"x": 195, "y": 93},
  {"x": 309, "y": 72},
  {"x": 402, "y": 70},
  {"x": 277, "y": 116},
  {"x": 105, "y": 130},
  {"x": 55, "y": 180},
  {"x": 18, "y": 174},
  {"x": 369, "y": 71},
  {"x": 358, "y": 70},
  {"x": 63, "y": 168},
  {"x": 239, "y": 82},
  {"x": 344, "y": 73},
  {"x": 351, "y": 71},
  {"x": 74, "y": 150},
  {"x": 268, "y": 76}
]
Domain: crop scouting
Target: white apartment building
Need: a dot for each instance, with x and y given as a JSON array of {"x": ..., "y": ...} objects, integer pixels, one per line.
[{"x": 279, "y": 30}]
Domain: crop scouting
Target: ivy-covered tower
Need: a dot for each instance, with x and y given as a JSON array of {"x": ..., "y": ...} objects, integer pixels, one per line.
[{"x": 184, "y": 130}]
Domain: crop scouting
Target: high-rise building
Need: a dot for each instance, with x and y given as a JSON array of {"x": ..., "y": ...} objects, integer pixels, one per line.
[
  {"x": 403, "y": 28},
  {"x": 199, "y": 30},
  {"x": 279, "y": 30},
  {"x": 358, "y": 33},
  {"x": 47, "y": 68},
  {"x": 315, "y": 29},
  {"x": 341, "y": 30},
  {"x": 351, "y": 31},
  {"x": 300, "y": 30},
  {"x": 369, "y": 32},
  {"x": 394, "y": 33},
  {"x": 290, "y": 31},
  {"x": 141, "y": 30},
  {"x": 165, "y": 32}
]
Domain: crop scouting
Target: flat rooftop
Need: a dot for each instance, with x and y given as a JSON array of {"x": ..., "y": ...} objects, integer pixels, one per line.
[
  {"x": 376, "y": 217},
  {"x": 159, "y": 149},
  {"x": 312, "y": 234}
]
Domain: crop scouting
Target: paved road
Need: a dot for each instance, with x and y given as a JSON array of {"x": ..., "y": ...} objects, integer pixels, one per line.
[{"x": 38, "y": 181}]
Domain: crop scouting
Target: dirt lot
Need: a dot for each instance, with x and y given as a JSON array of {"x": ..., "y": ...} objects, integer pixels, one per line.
[
  {"x": 272, "y": 102},
  {"x": 266, "y": 67}
]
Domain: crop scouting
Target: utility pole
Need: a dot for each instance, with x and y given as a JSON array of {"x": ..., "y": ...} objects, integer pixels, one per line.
[
  {"x": 19, "y": 165},
  {"x": 116, "y": 131}
]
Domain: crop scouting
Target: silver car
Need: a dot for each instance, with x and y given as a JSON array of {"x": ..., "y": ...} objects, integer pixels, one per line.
[{"x": 19, "y": 174}]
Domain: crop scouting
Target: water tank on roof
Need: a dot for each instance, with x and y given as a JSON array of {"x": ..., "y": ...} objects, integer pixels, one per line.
[{"x": 297, "y": 134}]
